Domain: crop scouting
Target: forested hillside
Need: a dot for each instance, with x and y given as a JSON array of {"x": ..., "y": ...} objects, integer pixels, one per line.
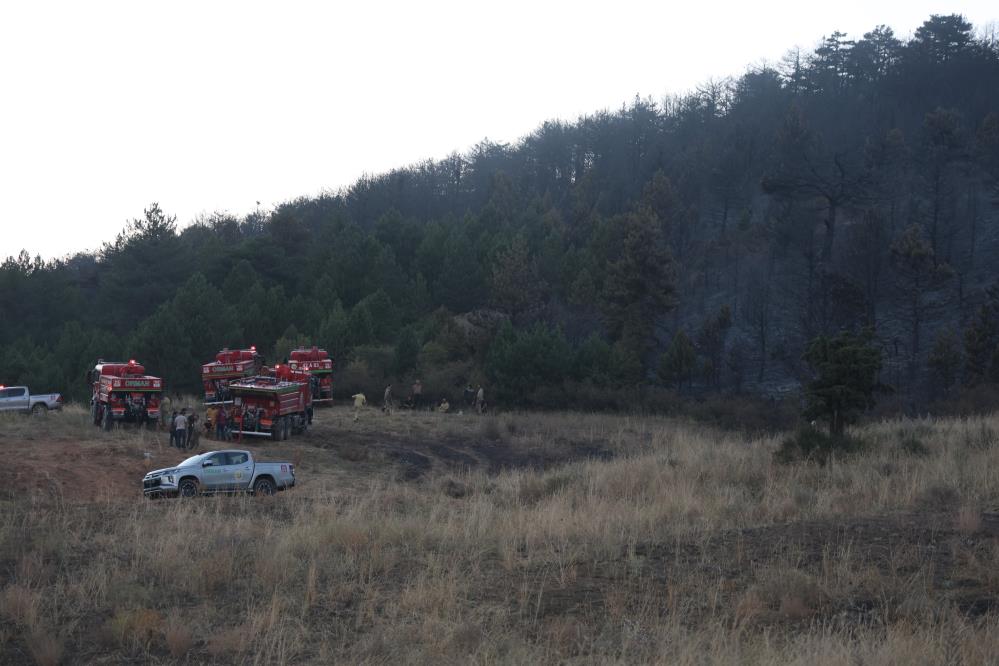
[{"x": 697, "y": 244}]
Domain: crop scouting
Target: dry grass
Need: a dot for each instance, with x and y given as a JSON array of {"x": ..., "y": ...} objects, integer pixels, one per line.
[{"x": 678, "y": 544}]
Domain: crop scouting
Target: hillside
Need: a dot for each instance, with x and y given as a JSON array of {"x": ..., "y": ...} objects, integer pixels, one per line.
[
  {"x": 694, "y": 244},
  {"x": 527, "y": 538}
]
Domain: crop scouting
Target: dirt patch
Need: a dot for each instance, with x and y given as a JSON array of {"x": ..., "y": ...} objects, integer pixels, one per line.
[{"x": 74, "y": 471}]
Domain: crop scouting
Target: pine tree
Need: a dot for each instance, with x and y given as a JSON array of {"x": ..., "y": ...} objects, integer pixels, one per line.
[{"x": 846, "y": 369}]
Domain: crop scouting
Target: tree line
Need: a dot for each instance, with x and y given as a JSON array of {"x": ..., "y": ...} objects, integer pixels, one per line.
[{"x": 699, "y": 243}]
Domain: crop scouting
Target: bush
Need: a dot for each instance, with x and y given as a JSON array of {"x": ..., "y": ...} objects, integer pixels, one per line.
[
  {"x": 914, "y": 446},
  {"x": 811, "y": 445}
]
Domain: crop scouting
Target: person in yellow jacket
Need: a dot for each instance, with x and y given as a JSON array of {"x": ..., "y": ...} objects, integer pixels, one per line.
[
  {"x": 211, "y": 418},
  {"x": 359, "y": 401}
]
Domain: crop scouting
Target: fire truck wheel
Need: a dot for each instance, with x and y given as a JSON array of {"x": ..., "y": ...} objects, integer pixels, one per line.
[
  {"x": 263, "y": 487},
  {"x": 107, "y": 419},
  {"x": 187, "y": 488},
  {"x": 95, "y": 413},
  {"x": 287, "y": 428},
  {"x": 276, "y": 431}
]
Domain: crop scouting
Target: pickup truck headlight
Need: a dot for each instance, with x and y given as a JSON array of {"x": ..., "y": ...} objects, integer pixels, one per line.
[{"x": 169, "y": 479}]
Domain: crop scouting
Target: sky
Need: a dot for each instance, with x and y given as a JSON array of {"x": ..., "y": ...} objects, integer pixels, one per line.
[{"x": 214, "y": 105}]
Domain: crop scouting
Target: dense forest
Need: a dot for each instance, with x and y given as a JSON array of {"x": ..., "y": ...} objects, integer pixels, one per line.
[{"x": 689, "y": 246}]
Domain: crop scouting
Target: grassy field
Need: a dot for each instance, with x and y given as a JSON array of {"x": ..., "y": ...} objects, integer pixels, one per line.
[{"x": 519, "y": 538}]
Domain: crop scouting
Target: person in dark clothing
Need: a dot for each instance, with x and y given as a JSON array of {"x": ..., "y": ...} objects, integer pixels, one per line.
[
  {"x": 192, "y": 431},
  {"x": 220, "y": 424},
  {"x": 173, "y": 429}
]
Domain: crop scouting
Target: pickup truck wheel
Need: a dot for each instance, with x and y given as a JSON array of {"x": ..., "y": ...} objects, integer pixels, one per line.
[
  {"x": 187, "y": 488},
  {"x": 263, "y": 487},
  {"x": 39, "y": 410}
]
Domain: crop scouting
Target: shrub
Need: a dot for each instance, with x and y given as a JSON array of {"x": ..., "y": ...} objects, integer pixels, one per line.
[
  {"x": 811, "y": 445},
  {"x": 913, "y": 446}
]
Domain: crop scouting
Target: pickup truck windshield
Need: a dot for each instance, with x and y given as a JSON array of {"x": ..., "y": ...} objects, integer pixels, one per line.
[{"x": 192, "y": 460}]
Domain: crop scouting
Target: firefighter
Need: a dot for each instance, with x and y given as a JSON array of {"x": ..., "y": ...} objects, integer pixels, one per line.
[
  {"x": 387, "y": 400},
  {"x": 220, "y": 425},
  {"x": 359, "y": 401},
  {"x": 173, "y": 428},
  {"x": 192, "y": 431},
  {"x": 180, "y": 425},
  {"x": 480, "y": 400},
  {"x": 211, "y": 418},
  {"x": 444, "y": 407},
  {"x": 469, "y": 395},
  {"x": 165, "y": 418},
  {"x": 417, "y": 395}
]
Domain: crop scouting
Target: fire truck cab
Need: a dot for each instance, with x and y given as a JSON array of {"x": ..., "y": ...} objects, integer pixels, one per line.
[
  {"x": 316, "y": 362},
  {"x": 123, "y": 392}
]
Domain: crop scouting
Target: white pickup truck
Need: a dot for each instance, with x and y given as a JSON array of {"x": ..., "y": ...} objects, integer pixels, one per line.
[
  {"x": 213, "y": 472},
  {"x": 19, "y": 399}
]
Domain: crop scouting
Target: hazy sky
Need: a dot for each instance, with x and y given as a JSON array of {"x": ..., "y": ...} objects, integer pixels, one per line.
[{"x": 212, "y": 106}]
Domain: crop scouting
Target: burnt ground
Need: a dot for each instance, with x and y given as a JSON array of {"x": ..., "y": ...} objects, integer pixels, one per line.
[{"x": 900, "y": 565}]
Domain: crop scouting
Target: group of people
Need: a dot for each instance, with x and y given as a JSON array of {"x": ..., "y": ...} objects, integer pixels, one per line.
[
  {"x": 183, "y": 426},
  {"x": 220, "y": 420},
  {"x": 184, "y": 429},
  {"x": 474, "y": 399}
]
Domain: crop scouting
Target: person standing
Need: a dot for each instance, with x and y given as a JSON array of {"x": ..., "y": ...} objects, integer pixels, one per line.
[
  {"x": 180, "y": 425},
  {"x": 211, "y": 418},
  {"x": 173, "y": 428},
  {"x": 166, "y": 421},
  {"x": 417, "y": 394},
  {"x": 220, "y": 424},
  {"x": 480, "y": 399},
  {"x": 359, "y": 401},
  {"x": 387, "y": 400},
  {"x": 192, "y": 431}
]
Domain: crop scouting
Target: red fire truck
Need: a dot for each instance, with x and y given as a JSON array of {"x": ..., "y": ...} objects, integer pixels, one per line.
[
  {"x": 272, "y": 406},
  {"x": 123, "y": 392},
  {"x": 318, "y": 363},
  {"x": 229, "y": 364}
]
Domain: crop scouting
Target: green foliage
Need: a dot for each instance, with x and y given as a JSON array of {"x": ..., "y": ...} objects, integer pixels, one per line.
[
  {"x": 677, "y": 363},
  {"x": 945, "y": 359},
  {"x": 407, "y": 351},
  {"x": 185, "y": 332},
  {"x": 589, "y": 234},
  {"x": 711, "y": 341},
  {"x": 846, "y": 369},
  {"x": 519, "y": 362},
  {"x": 289, "y": 340},
  {"x": 640, "y": 281},
  {"x": 811, "y": 445},
  {"x": 335, "y": 335},
  {"x": 981, "y": 342}
]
